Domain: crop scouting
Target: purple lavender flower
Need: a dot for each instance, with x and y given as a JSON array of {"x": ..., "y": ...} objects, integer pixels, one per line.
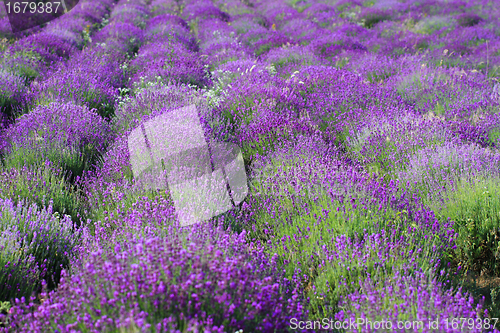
[
  {"x": 14, "y": 95},
  {"x": 169, "y": 62},
  {"x": 56, "y": 131},
  {"x": 43, "y": 237},
  {"x": 19, "y": 273},
  {"x": 201, "y": 10},
  {"x": 410, "y": 303},
  {"x": 89, "y": 79},
  {"x": 208, "y": 276}
]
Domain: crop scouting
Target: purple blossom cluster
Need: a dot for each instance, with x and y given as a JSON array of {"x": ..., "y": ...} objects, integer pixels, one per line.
[
  {"x": 37, "y": 55},
  {"x": 58, "y": 132},
  {"x": 37, "y": 244},
  {"x": 416, "y": 303},
  {"x": 66, "y": 124},
  {"x": 171, "y": 284},
  {"x": 368, "y": 130}
]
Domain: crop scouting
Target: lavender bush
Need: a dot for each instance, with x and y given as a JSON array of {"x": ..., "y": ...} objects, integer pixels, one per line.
[
  {"x": 40, "y": 183},
  {"x": 14, "y": 95},
  {"x": 473, "y": 208},
  {"x": 87, "y": 80},
  {"x": 20, "y": 274},
  {"x": 211, "y": 289},
  {"x": 40, "y": 236},
  {"x": 369, "y": 132},
  {"x": 65, "y": 134}
]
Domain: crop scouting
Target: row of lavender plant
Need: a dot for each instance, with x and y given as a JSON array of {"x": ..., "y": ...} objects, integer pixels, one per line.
[
  {"x": 38, "y": 147},
  {"x": 469, "y": 166}
]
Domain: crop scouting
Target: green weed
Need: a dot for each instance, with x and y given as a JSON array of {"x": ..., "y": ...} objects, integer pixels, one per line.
[{"x": 474, "y": 206}]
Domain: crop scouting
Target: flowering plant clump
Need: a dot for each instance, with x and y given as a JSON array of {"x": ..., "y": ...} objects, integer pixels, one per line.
[
  {"x": 19, "y": 272},
  {"x": 168, "y": 282},
  {"x": 41, "y": 182},
  {"x": 66, "y": 134},
  {"x": 14, "y": 96},
  {"x": 88, "y": 80},
  {"x": 411, "y": 303}
]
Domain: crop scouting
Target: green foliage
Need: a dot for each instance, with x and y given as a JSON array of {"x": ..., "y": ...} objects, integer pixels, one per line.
[
  {"x": 104, "y": 107},
  {"x": 295, "y": 59},
  {"x": 264, "y": 48},
  {"x": 495, "y": 301},
  {"x": 494, "y": 136},
  {"x": 28, "y": 65},
  {"x": 29, "y": 73},
  {"x": 422, "y": 45},
  {"x": 493, "y": 72},
  {"x": 448, "y": 62},
  {"x": 429, "y": 25},
  {"x": 475, "y": 209},
  {"x": 11, "y": 106},
  {"x": 294, "y": 3},
  {"x": 240, "y": 111},
  {"x": 303, "y": 7},
  {"x": 347, "y": 10},
  {"x": 476, "y": 42},
  {"x": 341, "y": 62},
  {"x": 18, "y": 270},
  {"x": 263, "y": 145},
  {"x": 371, "y": 19},
  {"x": 4, "y": 310},
  {"x": 14, "y": 98},
  {"x": 39, "y": 183},
  {"x": 87, "y": 96},
  {"x": 74, "y": 161},
  {"x": 379, "y": 75},
  {"x": 411, "y": 86},
  {"x": 5, "y": 307}
]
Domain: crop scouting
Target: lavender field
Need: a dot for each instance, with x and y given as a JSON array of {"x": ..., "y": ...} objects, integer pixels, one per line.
[{"x": 353, "y": 147}]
